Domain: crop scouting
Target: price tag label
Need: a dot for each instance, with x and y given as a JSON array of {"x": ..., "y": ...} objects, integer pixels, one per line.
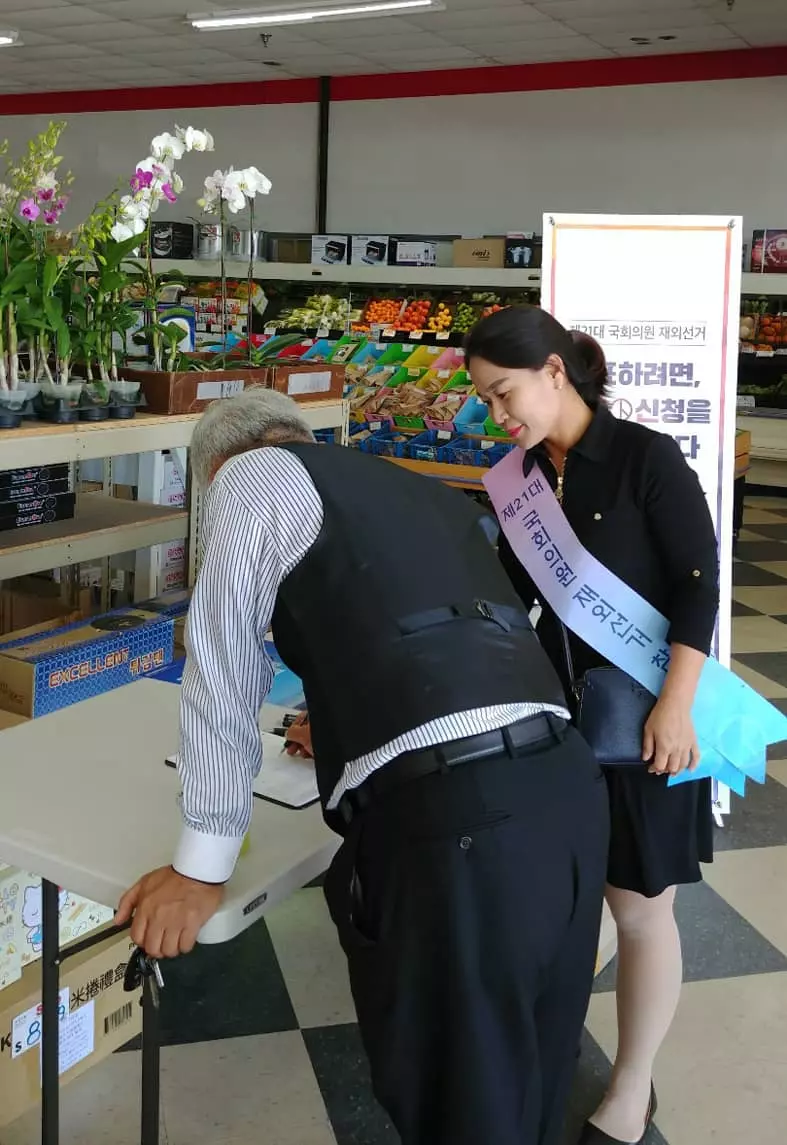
[
  {"x": 26, "y": 1028},
  {"x": 443, "y": 435},
  {"x": 746, "y": 401},
  {"x": 444, "y": 373},
  {"x": 271, "y": 331},
  {"x": 389, "y": 332},
  {"x": 323, "y": 331},
  {"x": 488, "y": 444},
  {"x": 443, "y": 336},
  {"x": 416, "y": 335},
  {"x": 375, "y": 425}
]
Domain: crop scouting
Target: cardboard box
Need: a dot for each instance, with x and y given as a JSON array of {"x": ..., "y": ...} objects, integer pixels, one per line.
[
  {"x": 9, "y": 720},
  {"x": 480, "y": 252},
  {"x": 34, "y": 601},
  {"x": 94, "y": 1002},
  {"x": 330, "y": 249},
  {"x": 41, "y": 511},
  {"x": 31, "y": 490},
  {"x": 306, "y": 381},
  {"x": 180, "y": 637},
  {"x": 170, "y": 604},
  {"x": 369, "y": 250},
  {"x": 12, "y": 477},
  {"x": 56, "y": 669}
]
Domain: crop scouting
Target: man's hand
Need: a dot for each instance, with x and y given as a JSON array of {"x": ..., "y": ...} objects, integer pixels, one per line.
[
  {"x": 669, "y": 742},
  {"x": 298, "y": 738},
  {"x": 168, "y": 912}
]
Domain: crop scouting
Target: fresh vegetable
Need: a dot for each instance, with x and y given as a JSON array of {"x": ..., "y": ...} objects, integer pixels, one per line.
[
  {"x": 441, "y": 319},
  {"x": 414, "y": 317}
]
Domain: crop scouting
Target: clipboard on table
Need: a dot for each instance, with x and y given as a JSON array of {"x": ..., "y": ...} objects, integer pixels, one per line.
[{"x": 285, "y": 780}]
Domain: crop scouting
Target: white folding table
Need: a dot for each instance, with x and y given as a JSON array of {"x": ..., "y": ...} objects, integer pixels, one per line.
[{"x": 88, "y": 804}]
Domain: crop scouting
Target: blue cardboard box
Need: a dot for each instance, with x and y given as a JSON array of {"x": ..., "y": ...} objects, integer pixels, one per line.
[
  {"x": 173, "y": 604},
  {"x": 52, "y": 670}
]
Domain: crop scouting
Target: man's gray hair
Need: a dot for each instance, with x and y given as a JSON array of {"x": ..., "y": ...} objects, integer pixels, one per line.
[{"x": 230, "y": 426}]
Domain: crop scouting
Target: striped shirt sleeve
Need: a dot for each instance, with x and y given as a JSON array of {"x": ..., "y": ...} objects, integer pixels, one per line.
[{"x": 227, "y": 676}]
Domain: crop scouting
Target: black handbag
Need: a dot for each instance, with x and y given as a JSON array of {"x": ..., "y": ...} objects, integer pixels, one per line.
[{"x": 610, "y": 711}]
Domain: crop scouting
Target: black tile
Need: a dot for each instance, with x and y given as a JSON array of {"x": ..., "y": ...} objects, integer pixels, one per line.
[
  {"x": 781, "y": 619},
  {"x": 229, "y": 991},
  {"x": 717, "y": 941},
  {"x": 750, "y": 576},
  {"x": 759, "y": 820},
  {"x": 744, "y": 610},
  {"x": 772, "y": 665},
  {"x": 757, "y": 551},
  {"x": 339, "y": 1062},
  {"x": 776, "y": 531},
  {"x": 318, "y": 882}
]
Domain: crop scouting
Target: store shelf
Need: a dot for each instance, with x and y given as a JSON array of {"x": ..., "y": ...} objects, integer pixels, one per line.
[
  {"x": 764, "y": 284},
  {"x": 422, "y": 276},
  {"x": 42, "y": 444},
  {"x": 102, "y": 527}
]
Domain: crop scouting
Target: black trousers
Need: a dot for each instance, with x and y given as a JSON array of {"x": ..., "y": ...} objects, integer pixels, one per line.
[{"x": 468, "y": 904}]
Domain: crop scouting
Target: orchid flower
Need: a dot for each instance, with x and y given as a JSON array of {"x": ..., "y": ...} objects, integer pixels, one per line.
[
  {"x": 194, "y": 140},
  {"x": 29, "y": 209},
  {"x": 167, "y": 148}
]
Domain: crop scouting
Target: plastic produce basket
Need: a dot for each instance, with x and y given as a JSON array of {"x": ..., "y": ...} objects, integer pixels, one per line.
[
  {"x": 465, "y": 451},
  {"x": 472, "y": 417},
  {"x": 426, "y": 446},
  {"x": 386, "y": 443}
]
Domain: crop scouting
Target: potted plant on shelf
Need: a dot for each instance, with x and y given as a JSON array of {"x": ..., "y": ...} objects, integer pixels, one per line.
[{"x": 184, "y": 383}]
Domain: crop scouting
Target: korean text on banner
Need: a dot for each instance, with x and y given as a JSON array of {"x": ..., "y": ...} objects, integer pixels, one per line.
[{"x": 661, "y": 294}]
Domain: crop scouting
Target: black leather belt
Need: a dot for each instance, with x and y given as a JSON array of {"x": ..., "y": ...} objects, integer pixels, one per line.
[{"x": 517, "y": 739}]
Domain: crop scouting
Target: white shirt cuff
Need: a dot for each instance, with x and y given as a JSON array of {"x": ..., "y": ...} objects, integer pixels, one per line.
[{"x": 206, "y": 858}]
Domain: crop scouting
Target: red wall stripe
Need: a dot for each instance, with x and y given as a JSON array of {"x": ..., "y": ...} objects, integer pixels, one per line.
[
  {"x": 687, "y": 68},
  {"x": 162, "y": 98}
]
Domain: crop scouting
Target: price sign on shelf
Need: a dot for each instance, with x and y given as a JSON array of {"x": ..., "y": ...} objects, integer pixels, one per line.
[
  {"x": 443, "y": 336},
  {"x": 416, "y": 335},
  {"x": 271, "y": 331},
  {"x": 323, "y": 331},
  {"x": 389, "y": 332}
]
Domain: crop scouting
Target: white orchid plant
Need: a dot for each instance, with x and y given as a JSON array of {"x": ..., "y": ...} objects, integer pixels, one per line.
[
  {"x": 155, "y": 181},
  {"x": 234, "y": 191}
]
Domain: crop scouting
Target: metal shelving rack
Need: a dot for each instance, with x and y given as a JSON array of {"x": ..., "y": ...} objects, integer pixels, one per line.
[{"x": 104, "y": 525}]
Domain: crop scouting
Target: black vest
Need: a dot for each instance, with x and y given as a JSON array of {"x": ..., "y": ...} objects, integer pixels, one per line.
[{"x": 387, "y": 618}]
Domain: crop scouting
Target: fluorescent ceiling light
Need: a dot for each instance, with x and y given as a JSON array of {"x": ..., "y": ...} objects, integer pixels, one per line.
[
  {"x": 307, "y": 13},
  {"x": 8, "y": 39}
]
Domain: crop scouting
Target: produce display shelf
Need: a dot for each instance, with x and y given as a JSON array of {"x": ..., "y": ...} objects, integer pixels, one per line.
[
  {"x": 764, "y": 285},
  {"x": 459, "y": 476},
  {"x": 483, "y": 277},
  {"x": 102, "y": 527},
  {"x": 42, "y": 444}
]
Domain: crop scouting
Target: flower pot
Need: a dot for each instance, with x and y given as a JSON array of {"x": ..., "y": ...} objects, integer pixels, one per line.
[
  {"x": 11, "y": 406},
  {"x": 124, "y": 399},
  {"x": 192, "y": 391},
  {"x": 30, "y": 391},
  {"x": 94, "y": 402},
  {"x": 59, "y": 404}
]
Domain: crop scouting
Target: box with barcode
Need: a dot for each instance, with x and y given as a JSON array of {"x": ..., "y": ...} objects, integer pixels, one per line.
[
  {"x": 307, "y": 381},
  {"x": 97, "y": 1017}
]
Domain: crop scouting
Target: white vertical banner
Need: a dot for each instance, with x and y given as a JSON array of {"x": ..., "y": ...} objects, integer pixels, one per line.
[{"x": 661, "y": 294}]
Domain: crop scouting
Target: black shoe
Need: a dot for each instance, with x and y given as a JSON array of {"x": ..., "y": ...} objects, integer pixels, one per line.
[{"x": 592, "y": 1135}]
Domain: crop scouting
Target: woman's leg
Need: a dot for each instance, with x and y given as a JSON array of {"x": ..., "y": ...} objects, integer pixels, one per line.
[{"x": 650, "y": 975}]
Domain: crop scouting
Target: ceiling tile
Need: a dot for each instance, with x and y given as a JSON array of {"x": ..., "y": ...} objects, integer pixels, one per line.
[
  {"x": 478, "y": 16},
  {"x": 67, "y": 16},
  {"x": 567, "y": 9},
  {"x": 762, "y": 33},
  {"x": 404, "y": 59},
  {"x": 676, "y": 48},
  {"x": 685, "y": 38},
  {"x": 690, "y": 18}
]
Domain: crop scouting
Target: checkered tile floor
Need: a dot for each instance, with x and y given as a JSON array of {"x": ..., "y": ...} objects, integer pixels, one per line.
[{"x": 260, "y": 1040}]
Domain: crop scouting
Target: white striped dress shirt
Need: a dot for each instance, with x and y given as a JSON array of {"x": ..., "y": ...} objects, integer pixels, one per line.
[{"x": 262, "y": 515}]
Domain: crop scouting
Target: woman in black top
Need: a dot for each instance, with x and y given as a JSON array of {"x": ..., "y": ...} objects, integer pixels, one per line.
[{"x": 635, "y": 504}]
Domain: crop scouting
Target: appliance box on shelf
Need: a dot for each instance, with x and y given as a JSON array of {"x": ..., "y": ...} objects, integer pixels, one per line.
[
  {"x": 172, "y": 240},
  {"x": 408, "y": 252},
  {"x": 329, "y": 249},
  {"x": 769, "y": 252},
  {"x": 59, "y": 668},
  {"x": 38, "y": 511},
  {"x": 523, "y": 251},
  {"x": 480, "y": 252},
  {"x": 106, "y": 1015},
  {"x": 29, "y": 491},
  {"x": 369, "y": 250},
  {"x": 305, "y": 382},
  {"x": 170, "y": 604},
  {"x": 12, "y": 477}
]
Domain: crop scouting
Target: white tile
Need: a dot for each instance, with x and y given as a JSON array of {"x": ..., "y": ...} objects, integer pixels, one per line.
[
  {"x": 758, "y": 634},
  {"x": 767, "y": 688},
  {"x": 640, "y": 23},
  {"x": 755, "y": 883},
  {"x": 311, "y": 960},
  {"x": 720, "y": 1076},
  {"x": 688, "y": 38},
  {"x": 517, "y": 33}
]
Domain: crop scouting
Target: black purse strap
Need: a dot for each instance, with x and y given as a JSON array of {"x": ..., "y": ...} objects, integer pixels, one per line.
[{"x": 568, "y": 656}]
